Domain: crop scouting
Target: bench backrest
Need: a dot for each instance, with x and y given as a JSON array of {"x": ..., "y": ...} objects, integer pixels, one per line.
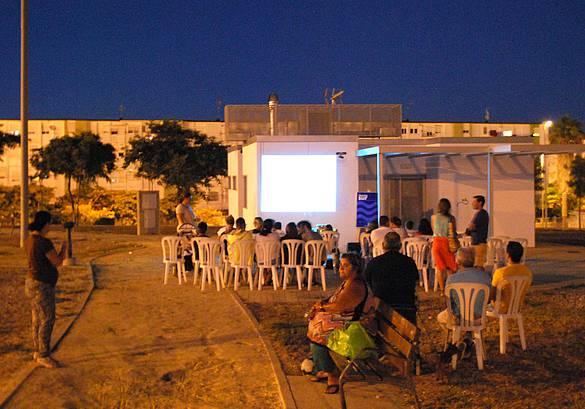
[{"x": 396, "y": 332}]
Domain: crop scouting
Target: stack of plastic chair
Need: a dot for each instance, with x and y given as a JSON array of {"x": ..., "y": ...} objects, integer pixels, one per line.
[
  {"x": 467, "y": 321},
  {"x": 495, "y": 252},
  {"x": 331, "y": 239},
  {"x": 241, "y": 254},
  {"x": 210, "y": 261},
  {"x": 291, "y": 257},
  {"x": 517, "y": 287},
  {"x": 267, "y": 255},
  {"x": 171, "y": 259},
  {"x": 315, "y": 258},
  {"x": 419, "y": 250}
]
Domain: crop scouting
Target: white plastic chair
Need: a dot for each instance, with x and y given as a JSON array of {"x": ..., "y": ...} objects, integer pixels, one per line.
[
  {"x": 267, "y": 254},
  {"x": 242, "y": 260},
  {"x": 331, "y": 239},
  {"x": 517, "y": 285},
  {"x": 171, "y": 247},
  {"x": 314, "y": 260},
  {"x": 225, "y": 259},
  {"x": 465, "y": 241},
  {"x": 377, "y": 251},
  {"x": 466, "y": 321},
  {"x": 292, "y": 260},
  {"x": 496, "y": 249},
  {"x": 210, "y": 261},
  {"x": 365, "y": 246},
  {"x": 419, "y": 250}
]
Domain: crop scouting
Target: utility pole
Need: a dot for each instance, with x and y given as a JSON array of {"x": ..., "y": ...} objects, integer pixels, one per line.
[{"x": 23, "y": 121}]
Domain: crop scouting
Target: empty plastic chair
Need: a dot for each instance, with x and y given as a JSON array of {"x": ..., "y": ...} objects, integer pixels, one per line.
[
  {"x": 419, "y": 250},
  {"x": 516, "y": 285},
  {"x": 315, "y": 258},
  {"x": 210, "y": 261},
  {"x": 267, "y": 254},
  {"x": 495, "y": 255},
  {"x": 291, "y": 257},
  {"x": 366, "y": 246},
  {"x": 171, "y": 259},
  {"x": 466, "y": 320}
]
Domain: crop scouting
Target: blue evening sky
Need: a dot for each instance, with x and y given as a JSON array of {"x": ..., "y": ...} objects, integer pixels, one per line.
[{"x": 448, "y": 60}]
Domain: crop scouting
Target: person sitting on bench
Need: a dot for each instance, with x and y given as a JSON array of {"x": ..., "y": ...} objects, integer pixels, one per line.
[{"x": 348, "y": 303}]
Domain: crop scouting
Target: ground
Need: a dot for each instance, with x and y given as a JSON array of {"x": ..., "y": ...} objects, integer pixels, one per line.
[
  {"x": 549, "y": 374},
  {"x": 141, "y": 344}
]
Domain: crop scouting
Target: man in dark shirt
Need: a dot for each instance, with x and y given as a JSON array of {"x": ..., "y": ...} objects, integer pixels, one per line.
[
  {"x": 478, "y": 230},
  {"x": 393, "y": 276}
]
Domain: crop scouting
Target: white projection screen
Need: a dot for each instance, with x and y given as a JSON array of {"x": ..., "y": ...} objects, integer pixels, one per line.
[{"x": 298, "y": 183}]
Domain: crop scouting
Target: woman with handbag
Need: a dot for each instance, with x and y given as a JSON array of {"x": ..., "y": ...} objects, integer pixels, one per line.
[
  {"x": 348, "y": 303},
  {"x": 445, "y": 242}
]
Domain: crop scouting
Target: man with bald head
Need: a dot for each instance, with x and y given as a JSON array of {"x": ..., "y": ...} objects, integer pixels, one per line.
[{"x": 466, "y": 273}]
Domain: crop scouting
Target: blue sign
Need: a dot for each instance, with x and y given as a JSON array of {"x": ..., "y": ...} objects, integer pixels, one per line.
[{"x": 367, "y": 208}]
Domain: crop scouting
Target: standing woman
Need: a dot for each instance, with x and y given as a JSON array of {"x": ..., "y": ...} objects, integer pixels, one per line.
[
  {"x": 443, "y": 224},
  {"x": 41, "y": 279}
]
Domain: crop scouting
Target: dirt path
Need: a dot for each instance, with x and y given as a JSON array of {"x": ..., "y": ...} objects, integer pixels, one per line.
[{"x": 141, "y": 344}]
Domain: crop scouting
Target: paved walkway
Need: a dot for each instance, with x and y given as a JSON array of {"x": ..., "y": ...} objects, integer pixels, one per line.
[{"x": 142, "y": 344}]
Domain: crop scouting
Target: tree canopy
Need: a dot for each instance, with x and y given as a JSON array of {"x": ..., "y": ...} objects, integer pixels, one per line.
[
  {"x": 183, "y": 158},
  {"x": 8, "y": 140},
  {"x": 81, "y": 158},
  {"x": 566, "y": 131}
]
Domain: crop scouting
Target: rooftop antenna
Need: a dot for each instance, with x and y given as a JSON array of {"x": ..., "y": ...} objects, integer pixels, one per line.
[
  {"x": 121, "y": 110},
  {"x": 486, "y": 115},
  {"x": 326, "y": 96},
  {"x": 219, "y": 107},
  {"x": 336, "y": 95}
]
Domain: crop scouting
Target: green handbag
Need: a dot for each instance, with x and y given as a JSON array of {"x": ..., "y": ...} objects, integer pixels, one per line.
[{"x": 352, "y": 342}]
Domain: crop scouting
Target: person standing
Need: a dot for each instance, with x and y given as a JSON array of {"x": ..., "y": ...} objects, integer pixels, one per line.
[
  {"x": 184, "y": 211},
  {"x": 444, "y": 226},
  {"x": 40, "y": 283},
  {"x": 478, "y": 230}
]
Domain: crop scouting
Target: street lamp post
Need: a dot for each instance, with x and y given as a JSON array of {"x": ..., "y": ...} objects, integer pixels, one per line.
[{"x": 23, "y": 121}]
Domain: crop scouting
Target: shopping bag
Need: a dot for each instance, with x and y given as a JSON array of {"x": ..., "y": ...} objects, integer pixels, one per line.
[{"x": 352, "y": 341}]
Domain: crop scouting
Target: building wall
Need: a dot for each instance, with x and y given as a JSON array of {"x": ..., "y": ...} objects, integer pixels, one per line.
[
  {"x": 116, "y": 132},
  {"x": 344, "y": 218},
  {"x": 415, "y": 130}
]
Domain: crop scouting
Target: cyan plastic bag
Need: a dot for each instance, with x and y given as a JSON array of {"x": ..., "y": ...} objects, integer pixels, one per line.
[{"x": 352, "y": 342}]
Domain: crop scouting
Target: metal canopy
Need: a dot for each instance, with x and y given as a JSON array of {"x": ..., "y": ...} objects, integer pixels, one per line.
[{"x": 414, "y": 151}]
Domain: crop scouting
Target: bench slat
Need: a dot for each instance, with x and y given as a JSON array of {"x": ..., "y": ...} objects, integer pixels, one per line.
[
  {"x": 393, "y": 337},
  {"x": 404, "y": 327}
]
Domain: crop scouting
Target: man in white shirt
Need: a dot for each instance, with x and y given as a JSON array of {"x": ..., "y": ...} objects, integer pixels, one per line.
[
  {"x": 377, "y": 235},
  {"x": 184, "y": 211},
  {"x": 396, "y": 226},
  {"x": 229, "y": 226}
]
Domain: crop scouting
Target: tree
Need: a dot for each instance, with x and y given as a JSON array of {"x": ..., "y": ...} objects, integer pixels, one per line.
[
  {"x": 8, "y": 140},
  {"x": 81, "y": 158},
  {"x": 566, "y": 131},
  {"x": 177, "y": 157},
  {"x": 577, "y": 182}
]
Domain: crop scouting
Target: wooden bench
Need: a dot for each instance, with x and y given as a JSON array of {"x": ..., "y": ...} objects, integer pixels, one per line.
[{"x": 397, "y": 345}]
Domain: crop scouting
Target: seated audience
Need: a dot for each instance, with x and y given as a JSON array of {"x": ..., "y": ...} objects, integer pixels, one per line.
[
  {"x": 278, "y": 229},
  {"x": 466, "y": 273},
  {"x": 393, "y": 277},
  {"x": 350, "y": 302},
  {"x": 229, "y": 226},
  {"x": 373, "y": 225},
  {"x": 257, "y": 225},
  {"x": 377, "y": 235},
  {"x": 396, "y": 226},
  {"x": 291, "y": 234},
  {"x": 306, "y": 231},
  {"x": 201, "y": 230},
  {"x": 238, "y": 234},
  {"x": 266, "y": 232},
  {"x": 424, "y": 228},
  {"x": 514, "y": 253},
  {"x": 410, "y": 230}
]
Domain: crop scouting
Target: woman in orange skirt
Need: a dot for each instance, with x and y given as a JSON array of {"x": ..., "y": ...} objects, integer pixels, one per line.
[{"x": 445, "y": 264}]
